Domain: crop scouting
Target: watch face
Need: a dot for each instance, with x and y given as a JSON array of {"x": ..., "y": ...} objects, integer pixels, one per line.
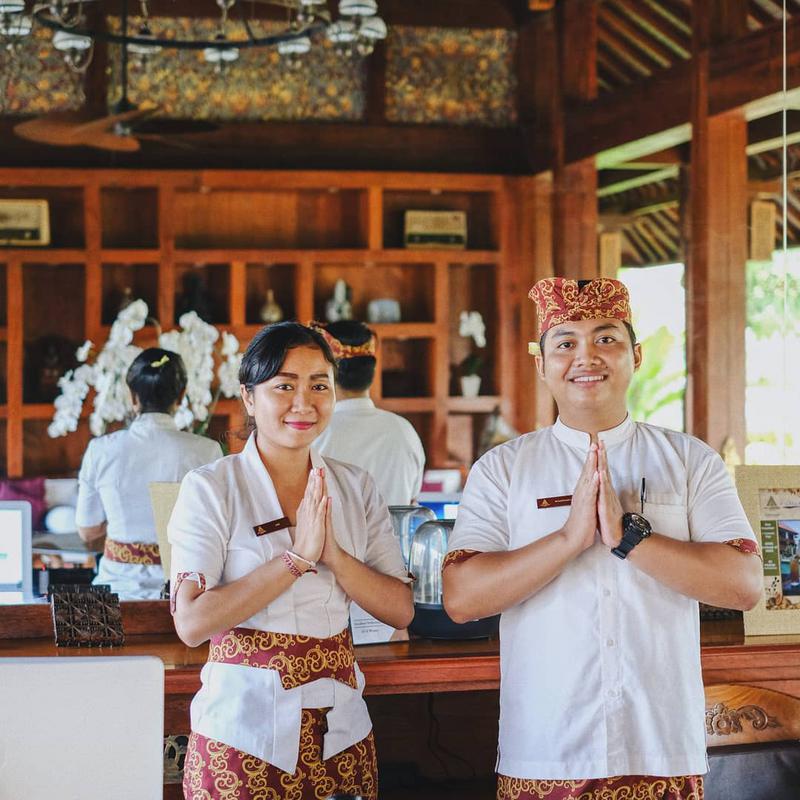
[{"x": 636, "y": 524}]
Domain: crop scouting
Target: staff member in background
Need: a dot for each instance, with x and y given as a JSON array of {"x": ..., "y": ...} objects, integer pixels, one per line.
[
  {"x": 595, "y": 538},
  {"x": 268, "y": 548},
  {"x": 384, "y": 444},
  {"x": 113, "y": 495}
]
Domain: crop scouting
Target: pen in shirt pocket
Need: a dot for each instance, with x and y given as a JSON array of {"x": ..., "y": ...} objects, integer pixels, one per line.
[{"x": 643, "y": 495}]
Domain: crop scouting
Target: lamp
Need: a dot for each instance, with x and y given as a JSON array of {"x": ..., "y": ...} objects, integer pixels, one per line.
[{"x": 357, "y": 30}]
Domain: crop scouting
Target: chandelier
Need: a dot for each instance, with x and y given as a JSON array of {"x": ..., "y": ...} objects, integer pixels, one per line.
[{"x": 76, "y": 29}]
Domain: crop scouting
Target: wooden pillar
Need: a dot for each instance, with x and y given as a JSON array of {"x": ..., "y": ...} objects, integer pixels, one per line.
[
  {"x": 575, "y": 213},
  {"x": 716, "y": 230}
]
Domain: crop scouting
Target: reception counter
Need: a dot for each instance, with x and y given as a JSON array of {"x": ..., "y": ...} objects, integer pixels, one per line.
[{"x": 752, "y": 683}]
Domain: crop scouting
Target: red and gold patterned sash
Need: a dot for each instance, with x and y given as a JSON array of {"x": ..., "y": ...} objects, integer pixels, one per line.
[
  {"x": 297, "y": 659},
  {"x": 458, "y": 557},
  {"x": 132, "y": 552},
  {"x": 629, "y": 787}
]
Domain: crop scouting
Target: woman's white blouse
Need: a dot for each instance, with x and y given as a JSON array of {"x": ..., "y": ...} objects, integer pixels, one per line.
[
  {"x": 212, "y": 533},
  {"x": 113, "y": 486}
]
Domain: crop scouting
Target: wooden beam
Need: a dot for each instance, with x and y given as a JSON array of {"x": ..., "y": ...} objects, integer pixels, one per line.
[
  {"x": 655, "y": 113},
  {"x": 289, "y": 145},
  {"x": 615, "y": 181},
  {"x": 651, "y": 47},
  {"x": 674, "y": 38},
  {"x": 766, "y": 133}
]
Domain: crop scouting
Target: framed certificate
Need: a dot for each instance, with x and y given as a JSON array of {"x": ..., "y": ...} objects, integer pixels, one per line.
[{"x": 771, "y": 500}]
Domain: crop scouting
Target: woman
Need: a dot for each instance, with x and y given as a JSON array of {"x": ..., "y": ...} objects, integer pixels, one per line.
[
  {"x": 113, "y": 495},
  {"x": 268, "y": 548}
]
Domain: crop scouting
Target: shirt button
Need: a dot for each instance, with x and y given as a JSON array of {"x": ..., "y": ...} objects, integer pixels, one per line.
[
  {"x": 609, "y": 642},
  {"x": 606, "y": 592},
  {"x": 612, "y": 693}
]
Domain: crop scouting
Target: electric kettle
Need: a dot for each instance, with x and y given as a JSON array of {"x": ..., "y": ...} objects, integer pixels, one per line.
[
  {"x": 428, "y": 549},
  {"x": 406, "y": 520}
]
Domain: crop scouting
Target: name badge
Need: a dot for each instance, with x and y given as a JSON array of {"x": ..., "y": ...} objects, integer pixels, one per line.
[
  {"x": 554, "y": 502},
  {"x": 271, "y": 527}
]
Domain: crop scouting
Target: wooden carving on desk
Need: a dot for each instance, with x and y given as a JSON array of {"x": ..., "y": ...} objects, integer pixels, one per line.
[{"x": 86, "y": 616}]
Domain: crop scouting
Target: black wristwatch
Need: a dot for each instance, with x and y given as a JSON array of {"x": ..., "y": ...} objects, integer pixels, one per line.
[{"x": 634, "y": 528}]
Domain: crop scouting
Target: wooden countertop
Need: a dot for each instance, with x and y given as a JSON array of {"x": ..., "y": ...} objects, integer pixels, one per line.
[{"x": 423, "y": 665}]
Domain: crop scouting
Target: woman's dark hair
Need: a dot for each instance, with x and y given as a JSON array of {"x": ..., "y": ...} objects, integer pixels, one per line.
[
  {"x": 354, "y": 374},
  {"x": 628, "y": 327},
  {"x": 158, "y": 378},
  {"x": 267, "y": 351}
]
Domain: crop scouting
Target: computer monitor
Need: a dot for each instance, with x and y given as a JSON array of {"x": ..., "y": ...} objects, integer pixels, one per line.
[
  {"x": 16, "y": 576},
  {"x": 443, "y": 504}
]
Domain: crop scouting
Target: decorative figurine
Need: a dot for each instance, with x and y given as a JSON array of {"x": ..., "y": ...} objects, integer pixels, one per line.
[
  {"x": 339, "y": 306},
  {"x": 270, "y": 311}
]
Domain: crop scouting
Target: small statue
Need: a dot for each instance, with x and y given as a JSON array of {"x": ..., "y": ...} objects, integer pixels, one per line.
[
  {"x": 339, "y": 306},
  {"x": 270, "y": 311}
]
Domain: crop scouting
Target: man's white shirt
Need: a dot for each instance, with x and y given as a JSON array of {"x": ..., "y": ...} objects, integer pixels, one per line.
[{"x": 600, "y": 669}]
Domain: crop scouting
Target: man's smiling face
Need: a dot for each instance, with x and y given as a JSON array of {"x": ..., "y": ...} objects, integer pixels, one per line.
[{"x": 588, "y": 366}]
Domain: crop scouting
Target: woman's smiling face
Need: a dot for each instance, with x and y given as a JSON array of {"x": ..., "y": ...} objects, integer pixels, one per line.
[{"x": 294, "y": 406}]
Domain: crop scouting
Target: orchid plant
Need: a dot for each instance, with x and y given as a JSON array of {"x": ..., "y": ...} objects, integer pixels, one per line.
[{"x": 195, "y": 341}]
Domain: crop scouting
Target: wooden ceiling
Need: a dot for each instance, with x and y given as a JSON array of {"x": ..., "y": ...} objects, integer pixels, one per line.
[{"x": 638, "y": 38}]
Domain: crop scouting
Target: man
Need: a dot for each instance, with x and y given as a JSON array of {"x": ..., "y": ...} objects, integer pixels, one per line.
[
  {"x": 384, "y": 444},
  {"x": 595, "y": 538}
]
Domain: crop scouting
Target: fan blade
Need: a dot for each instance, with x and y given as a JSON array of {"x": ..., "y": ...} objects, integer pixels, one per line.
[
  {"x": 94, "y": 126},
  {"x": 57, "y": 128}
]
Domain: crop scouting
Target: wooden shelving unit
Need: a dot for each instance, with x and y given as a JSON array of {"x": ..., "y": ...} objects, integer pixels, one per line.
[{"x": 243, "y": 233}]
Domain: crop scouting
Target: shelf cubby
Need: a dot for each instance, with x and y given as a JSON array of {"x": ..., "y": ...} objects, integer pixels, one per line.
[
  {"x": 406, "y": 368},
  {"x": 245, "y": 218},
  {"x": 60, "y": 457},
  {"x": 65, "y": 208},
  {"x": 260, "y": 278},
  {"x": 410, "y": 284},
  {"x": 53, "y": 325},
  {"x": 480, "y": 206},
  {"x": 131, "y": 281},
  {"x": 473, "y": 287},
  {"x": 204, "y": 288},
  {"x": 129, "y": 217}
]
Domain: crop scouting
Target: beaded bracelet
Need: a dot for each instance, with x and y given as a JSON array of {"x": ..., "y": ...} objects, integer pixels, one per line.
[
  {"x": 291, "y": 566},
  {"x": 310, "y": 564}
]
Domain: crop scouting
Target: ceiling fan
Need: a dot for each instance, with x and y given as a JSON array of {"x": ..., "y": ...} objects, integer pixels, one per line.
[{"x": 120, "y": 131}]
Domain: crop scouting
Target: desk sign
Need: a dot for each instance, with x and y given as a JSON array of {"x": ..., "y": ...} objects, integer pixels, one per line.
[
  {"x": 24, "y": 223},
  {"x": 771, "y": 500}
]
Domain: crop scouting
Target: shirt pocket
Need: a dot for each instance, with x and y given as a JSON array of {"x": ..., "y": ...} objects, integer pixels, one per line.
[{"x": 668, "y": 515}]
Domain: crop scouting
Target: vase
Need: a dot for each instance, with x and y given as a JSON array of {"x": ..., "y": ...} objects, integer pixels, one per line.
[
  {"x": 270, "y": 311},
  {"x": 470, "y": 385}
]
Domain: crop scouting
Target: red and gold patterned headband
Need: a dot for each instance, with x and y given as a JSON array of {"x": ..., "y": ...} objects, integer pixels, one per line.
[
  {"x": 341, "y": 350},
  {"x": 561, "y": 300}
]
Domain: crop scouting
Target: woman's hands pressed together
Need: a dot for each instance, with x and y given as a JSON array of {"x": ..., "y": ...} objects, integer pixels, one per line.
[{"x": 313, "y": 517}]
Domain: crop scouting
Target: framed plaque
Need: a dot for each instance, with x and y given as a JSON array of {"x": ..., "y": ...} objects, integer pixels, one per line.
[
  {"x": 771, "y": 500},
  {"x": 24, "y": 223}
]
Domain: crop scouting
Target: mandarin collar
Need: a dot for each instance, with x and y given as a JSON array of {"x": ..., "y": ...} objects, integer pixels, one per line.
[
  {"x": 582, "y": 440},
  {"x": 253, "y": 458},
  {"x": 353, "y": 404},
  {"x": 156, "y": 419}
]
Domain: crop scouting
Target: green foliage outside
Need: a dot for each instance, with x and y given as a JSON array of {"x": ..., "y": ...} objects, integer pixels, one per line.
[
  {"x": 766, "y": 286},
  {"x": 652, "y": 389}
]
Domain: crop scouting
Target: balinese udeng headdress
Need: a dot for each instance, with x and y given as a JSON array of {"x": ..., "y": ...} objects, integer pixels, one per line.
[
  {"x": 341, "y": 350},
  {"x": 560, "y": 300}
]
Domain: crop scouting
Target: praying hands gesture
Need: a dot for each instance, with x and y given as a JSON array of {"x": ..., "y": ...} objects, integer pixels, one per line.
[{"x": 595, "y": 505}]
